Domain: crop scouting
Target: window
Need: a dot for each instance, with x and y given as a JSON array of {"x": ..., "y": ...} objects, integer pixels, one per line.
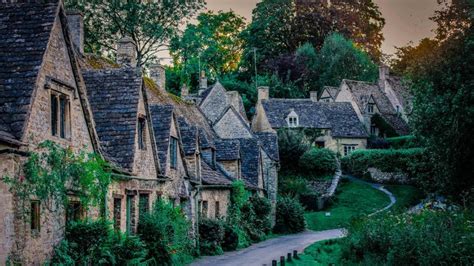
[
  {"x": 143, "y": 204},
  {"x": 74, "y": 212},
  {"x": 204, "y": 209},
  {"x": 130, "y": 214},
  {"x": 35, "y": 221},
  {"x": 373, "y": 130},
  {"x": 370, "y": 108},
  {"x": 218, "y": 211},
  {"x": 117, "y": 213},
  {"x": 174, "y": 152},
  {"x": 60, "y": 115},
  {"x": 141, "y": 133},
  {"x": 348, "y": 149},
  {"x": 292, "y": 121}
]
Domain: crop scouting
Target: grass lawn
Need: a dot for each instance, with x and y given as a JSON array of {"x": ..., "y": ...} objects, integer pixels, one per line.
[
  {"x": 406, "y": 195},
  {"x": 353, "y": 199},
  {"x": 320, "y": 253}
]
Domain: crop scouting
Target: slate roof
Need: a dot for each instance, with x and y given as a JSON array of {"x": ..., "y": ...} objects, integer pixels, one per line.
[
  {"x": 344, "y": 120},
  {"x": 161, "y": 116},
  {"x": 402, "y": 92},
  {"x": 250, "y": 156},
  {"x": 114, "y": 96},
  {"x": 189, "y": 135},
  {"x": 339, "y": 117},
  {"x": 363, "y": 91},
  {"x": 227, "y": 150},
  {"x": 24, "y": 29},
  {"x": 213, "y": 177},
  {"x": 310, "y": 113},
  {"x": 269, "y": 144},
  {"x": 333, "y": 91}
]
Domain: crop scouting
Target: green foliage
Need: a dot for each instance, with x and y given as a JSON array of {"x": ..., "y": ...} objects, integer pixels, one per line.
[
  {"x": 239, "y": 197},
  {"x": 309, "y": 201},
  {"x": 289, "y": 216},
  {"x": 427, "y": 238},
  {"x": 385, "y": 128},
  {"x": 165, "y": 232},
  {"x": 403, "y": 160},
  {"x": 318, "y": 162},
  {"x": 403, "y": 142},
  {"x": 231, "y": 238},
  {"x": 52, "y": 173},
  {"x": 150, "y": 24},
  {"x": 292, "y": 185},
  {"x": 94, "y": 242},
  {"x": 211, "y": 236},
  {"x": 293, "y": 143}
]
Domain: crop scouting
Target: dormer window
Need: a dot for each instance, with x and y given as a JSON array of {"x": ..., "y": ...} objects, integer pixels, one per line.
[
  {"x": 60, "y": 115},
  {"x": 370, "y": 108},
  {"x": 292, "y": 119},
  {"x": 141, "y": 133}
]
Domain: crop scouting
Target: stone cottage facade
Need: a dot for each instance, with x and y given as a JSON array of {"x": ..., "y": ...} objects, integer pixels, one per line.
[{"x": 340, "y": 127}]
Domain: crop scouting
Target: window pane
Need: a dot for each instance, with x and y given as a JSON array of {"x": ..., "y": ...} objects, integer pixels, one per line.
[
  {"x": 62, "y": 117},
  {"x": 144, "y": 204},
  {"x": 35, "y": 216},
  {"x": 117, "y": 213},
  {"x": 54, "y": 115}
]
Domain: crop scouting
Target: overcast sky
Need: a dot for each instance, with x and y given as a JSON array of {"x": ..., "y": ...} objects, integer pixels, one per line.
[{"x": 405, "y": 20}]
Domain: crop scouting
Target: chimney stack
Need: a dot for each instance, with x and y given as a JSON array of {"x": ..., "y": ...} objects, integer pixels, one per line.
[
  {"x": 126, "y": 52},
  {"x": 263, "y": 93},
  {"x": 384, "y": 73},
  {"x": 184, "y": 91},
  {"x": 75, "y": 21},
  {"x": 203, "y": 81},
  {"x": 158, "y": 75},
  {"x": 313, "y": 95}
]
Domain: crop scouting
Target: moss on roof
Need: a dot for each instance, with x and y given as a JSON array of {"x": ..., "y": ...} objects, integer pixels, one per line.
[{"x": 92, "y": 61}]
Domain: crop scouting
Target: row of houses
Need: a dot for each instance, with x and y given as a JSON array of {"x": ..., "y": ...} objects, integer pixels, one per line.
[
  {"x": 186, "y": 150},
  {"x": 344, "y": 114}
]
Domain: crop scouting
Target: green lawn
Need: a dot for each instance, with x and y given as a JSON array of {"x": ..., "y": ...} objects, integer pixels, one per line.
[
  {"x": 353, "y": 199},
  {"x": 320, "y": 253},
  {"x": 406, "y": 195}
]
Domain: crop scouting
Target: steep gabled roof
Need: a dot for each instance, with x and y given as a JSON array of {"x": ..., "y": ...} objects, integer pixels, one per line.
[
  {"x": 250, "y": 157},
  {"x": 25, "y": 29},
  {"x": 310, "y": 114},
  {"x": 402, "y": 92},
  {"x": 269, "y": 142},
  {"x": 227, "y": 150},
  {"x": 189, "y": 136},
  {"x": 344, "y": 120},
  {"x": 114, "y": 97},
  {"x": 333, "y": 91},
  {"x": 213, "y": 176},
  {"x": 162, "y": 117}
]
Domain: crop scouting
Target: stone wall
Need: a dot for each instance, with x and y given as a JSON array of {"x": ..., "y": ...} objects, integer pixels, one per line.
[
  {"x": 388, "y": 177},
  {"x": 213, "y": 195},
  {"x": 215, "y": 103},
  {"x": 233, "y": 167},
  {"x": 230, "y": 126},
  {"x": 270, "y": 173},
  {"x": 337, "y": 144}
]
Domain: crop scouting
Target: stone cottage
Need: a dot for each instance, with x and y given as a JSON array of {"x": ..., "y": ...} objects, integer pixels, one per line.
[
  {"x": 43, "y": 97},
  {"x": 389, "y": 97},
  {"x": 340, "y": 127}
]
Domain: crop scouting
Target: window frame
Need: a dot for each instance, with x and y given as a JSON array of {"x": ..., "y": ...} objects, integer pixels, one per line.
[
  {"x": 117, "y": 214},
  {"x": 35, "y": 216},
  {"x": 141, "y": 128},
  {"x": 60, "y": 115},
  {"x": 174, "y": 153},
  {"x": 371, "y": 108},
  {"x": 349, "y": 148}
]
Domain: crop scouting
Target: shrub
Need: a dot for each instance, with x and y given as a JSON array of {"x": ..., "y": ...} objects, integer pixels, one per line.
[
  {"x": 428, "y": 238},
  {"x": 358, "y": 162},
  {"x": 292, "y": 185},
  {"x": 262, "y": 208},
  {"x": 211, "y": 235},
  {"x": 293, "y": 143},
  {"x": 231, "y": 238},
  {"x": 318, "y": 162},
  {"x": 403, "y": 142},
  {"x": 377, "y": 143},
  {"x": 310, "y": 201},
  {"x": 165, "y": 232},
  {"x": 289, "y": 216},
  {"x": 128, "y": 249}
]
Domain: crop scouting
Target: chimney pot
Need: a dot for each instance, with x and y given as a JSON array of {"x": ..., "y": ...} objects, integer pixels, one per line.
[
  {"x": 75, "y": 21},
  {"x": 313, "y": 95},
  {"x": 158, "y": 75},
  {"x": 384, "y": 73},
  {"x": 126, "y": 52},
  {"x": 263, "y": 93}
]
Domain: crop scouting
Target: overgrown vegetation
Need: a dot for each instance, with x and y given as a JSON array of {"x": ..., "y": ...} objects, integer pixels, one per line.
[
  {"x": 318, "y": 162},
  {"x": 289, "y": 216}
]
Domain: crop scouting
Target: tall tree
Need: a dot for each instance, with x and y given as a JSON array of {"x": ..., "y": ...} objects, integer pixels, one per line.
[{"x": 151, "y": 24}]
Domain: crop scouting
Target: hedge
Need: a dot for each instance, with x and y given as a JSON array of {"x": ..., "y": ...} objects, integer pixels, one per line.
[
  {"x": 318, "y": 162},
  {"x": 289, "y": 216},
  {"x": 403, "y": 160},
  {"x": 403, "y": 142}
]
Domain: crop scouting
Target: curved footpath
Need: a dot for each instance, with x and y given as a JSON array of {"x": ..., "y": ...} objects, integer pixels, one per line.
[{"x": 266, "y": 251}]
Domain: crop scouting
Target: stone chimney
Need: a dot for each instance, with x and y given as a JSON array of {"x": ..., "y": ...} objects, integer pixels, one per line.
[
  {"x": 202, "y": 81},
  {"x": 263, "y": 93},
  {"x": 313, "y": 95},
  {"x": 384, "y": 73},
  {"x": 126, "y": 52},
  {"x": 75, "y": 21},
  {"x": 184, "y": 91},
  {"x": 158, "y": 75},
  {"x": 234, "y": 99}
]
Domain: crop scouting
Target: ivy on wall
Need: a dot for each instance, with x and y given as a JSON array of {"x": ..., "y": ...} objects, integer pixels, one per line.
[{"x": 385, "y": 128}]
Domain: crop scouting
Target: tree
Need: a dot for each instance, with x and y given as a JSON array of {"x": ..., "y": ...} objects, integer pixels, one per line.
[
  {"x": 281, "y": 26},
  {"x": 214, "y": 43},
  {"x": 409, "y": 59},
  {"x": 151, "y": 24}
]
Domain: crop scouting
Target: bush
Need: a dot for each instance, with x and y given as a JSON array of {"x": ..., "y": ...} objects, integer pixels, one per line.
[
  {"x": 292, "y": 185},
  {"x": 403, "y": 142},
  {"x": 262, "y": 209},
  {"x": 87, "y": 237},
  {"x": 428, "y": 238},
  {"x": 211, "y": 236},
  {"x": 377, "y": 143},
  {"x": 128, "y": 249},
  {"x": 318, "y": 162},
  {"x": 289, "y": 216},
  {"x": 165, "y": 231},
  {"x": 231, "y": 238},
  {"x": 310, "y": 201},
  {"x": 358, "y": 162}
]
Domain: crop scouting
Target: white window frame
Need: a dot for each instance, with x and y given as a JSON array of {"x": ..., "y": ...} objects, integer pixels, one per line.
[
  {"x": 371, "y": 108},
  {"x": 349, "y": 148}
]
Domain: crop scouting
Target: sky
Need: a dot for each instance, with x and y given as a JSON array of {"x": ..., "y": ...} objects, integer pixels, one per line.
[{"x": 405, "y": 20}]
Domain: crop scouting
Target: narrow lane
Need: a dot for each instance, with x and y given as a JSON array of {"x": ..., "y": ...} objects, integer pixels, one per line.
[{"x": 264, "y": 252}]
